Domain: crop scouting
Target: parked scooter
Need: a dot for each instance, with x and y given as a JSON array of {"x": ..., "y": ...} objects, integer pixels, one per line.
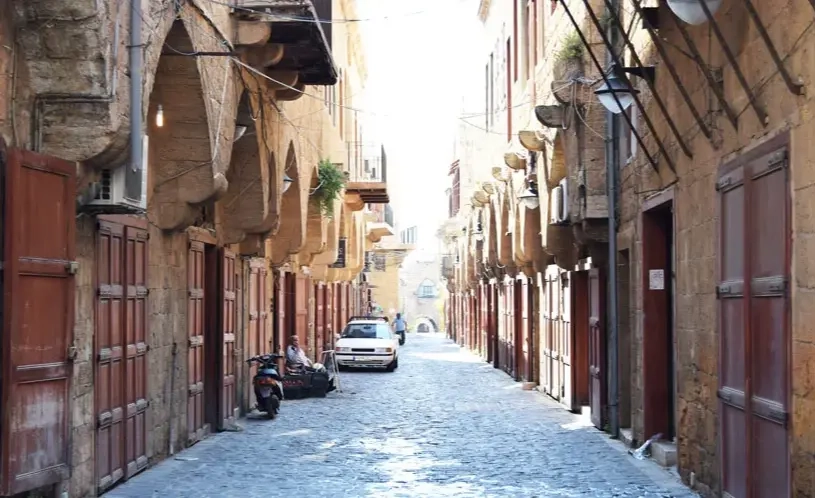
[{"x": 267, "y": 383}]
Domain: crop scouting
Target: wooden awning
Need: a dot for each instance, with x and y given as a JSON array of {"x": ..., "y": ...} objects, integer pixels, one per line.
[{"x": 369, "y": 192}]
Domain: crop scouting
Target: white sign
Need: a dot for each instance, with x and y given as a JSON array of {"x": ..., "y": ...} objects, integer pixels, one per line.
[{"x": 656, "y": 280}]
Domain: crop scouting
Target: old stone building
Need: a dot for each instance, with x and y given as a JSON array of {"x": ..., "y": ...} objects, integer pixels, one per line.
[
  {"x": 421, "y": 290},
  {"x": 170, "y": 244},
  {"x": 684, "y": 130}
]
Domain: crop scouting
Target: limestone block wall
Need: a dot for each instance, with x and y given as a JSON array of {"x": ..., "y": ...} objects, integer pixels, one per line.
[{"x": 696, "y": 227}]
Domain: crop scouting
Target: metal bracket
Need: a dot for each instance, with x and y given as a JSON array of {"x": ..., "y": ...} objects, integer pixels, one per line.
[{"x": 72, "y": 267}]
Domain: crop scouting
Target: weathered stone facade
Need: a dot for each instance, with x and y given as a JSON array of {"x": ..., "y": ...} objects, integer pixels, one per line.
[
  {"x": 65, "y": 93},
  {"x": 490, "y": 240}
]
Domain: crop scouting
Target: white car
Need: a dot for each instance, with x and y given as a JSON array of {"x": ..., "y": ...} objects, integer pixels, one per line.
[{"x": 368, "y": 342}]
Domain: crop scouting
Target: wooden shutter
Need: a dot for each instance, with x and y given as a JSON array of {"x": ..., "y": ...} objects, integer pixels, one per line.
[{"x": 38, "y": 222}]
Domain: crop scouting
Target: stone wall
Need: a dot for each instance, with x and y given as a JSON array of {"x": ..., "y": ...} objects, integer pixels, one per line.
[{"x": 697, "y": 341}]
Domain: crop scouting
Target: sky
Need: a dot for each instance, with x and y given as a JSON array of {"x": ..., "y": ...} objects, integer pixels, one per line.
[{"x": 414, "y": 53}]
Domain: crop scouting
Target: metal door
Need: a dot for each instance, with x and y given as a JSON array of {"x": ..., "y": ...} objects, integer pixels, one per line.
[
  {"x": 229, "y": 312},
  {"x": 493, "y": 330},
  {"x": 755, "y": 344},
  {"x": 38, "y": 222},
  {"x": 195, "y": 342},
  {"x": 597, "y": 348}
]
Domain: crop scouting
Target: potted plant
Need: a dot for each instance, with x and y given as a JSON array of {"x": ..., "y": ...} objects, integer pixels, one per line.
[
  {"x": 331, "y": 181},
  {"x": 569, "y": 58}
]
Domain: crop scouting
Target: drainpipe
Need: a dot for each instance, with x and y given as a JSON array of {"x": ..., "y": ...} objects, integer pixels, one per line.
[
  {"x": 133, "y": 174},
  {"x": 612, "y": 165}
]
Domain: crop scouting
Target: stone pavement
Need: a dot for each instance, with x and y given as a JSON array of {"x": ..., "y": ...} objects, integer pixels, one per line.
[{"x": 443, "y": 425}]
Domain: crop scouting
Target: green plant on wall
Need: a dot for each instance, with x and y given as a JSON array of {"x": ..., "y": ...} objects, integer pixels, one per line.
[
  {"x": 571, "y": 49},
  {"x": 330, "y": 182}
]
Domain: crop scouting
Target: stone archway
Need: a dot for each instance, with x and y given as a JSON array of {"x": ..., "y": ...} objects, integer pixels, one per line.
[
  {"x": 186, "y": 168},
  {"x": 250, "y": 207},
  {"x": 426, "y": 320},
  {"x": 291, "y": 234}
]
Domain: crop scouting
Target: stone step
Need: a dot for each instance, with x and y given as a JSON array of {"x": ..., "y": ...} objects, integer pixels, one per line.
[
  {"x": 664, "y": 453},
  {"x": 627, "y": 437}
]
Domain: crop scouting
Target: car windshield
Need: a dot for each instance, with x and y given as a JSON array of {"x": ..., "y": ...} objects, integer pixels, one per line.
[{"x": 366, "y": 331}]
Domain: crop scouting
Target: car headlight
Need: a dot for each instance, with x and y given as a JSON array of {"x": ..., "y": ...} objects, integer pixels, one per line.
[
  {"x": 342, "y": 350},
  {"x": 384, "y": 350}
]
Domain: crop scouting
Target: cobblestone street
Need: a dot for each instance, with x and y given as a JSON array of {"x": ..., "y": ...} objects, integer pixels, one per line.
[{"x": 443, "y": 425}]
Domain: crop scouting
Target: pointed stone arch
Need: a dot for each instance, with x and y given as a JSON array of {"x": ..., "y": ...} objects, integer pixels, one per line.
[
  {"x": 249, "y": 208},
  {"x": 316, "y": 224},
  {"x": 291, "y": 231},
  {"x": 189, "y": 154},
  {"x": 504, "y": 241}
]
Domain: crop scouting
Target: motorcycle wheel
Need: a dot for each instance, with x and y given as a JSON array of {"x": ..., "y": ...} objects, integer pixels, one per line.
[{"x": 271, "y": 405}]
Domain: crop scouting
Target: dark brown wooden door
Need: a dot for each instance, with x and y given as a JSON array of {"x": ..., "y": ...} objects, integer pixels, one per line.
[
  {"x": 38, "y": 246},
  {"x": 195, "y": 342},
  {"x": 229, "y": 313},
  {"x": 597, "y": 348},
  {"x": 755, "y": 344}
]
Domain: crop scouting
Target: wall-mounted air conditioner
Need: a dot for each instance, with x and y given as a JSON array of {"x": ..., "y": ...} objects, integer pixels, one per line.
[
  {"x": 559, "y": 204},
  {"x": 110, "y": 189}
]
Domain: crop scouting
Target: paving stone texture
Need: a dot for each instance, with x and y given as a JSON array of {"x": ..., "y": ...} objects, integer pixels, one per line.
[{"x": 443, "y": 424}]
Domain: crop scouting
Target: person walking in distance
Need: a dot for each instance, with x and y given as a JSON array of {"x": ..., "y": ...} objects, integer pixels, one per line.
[{"x": 400, "y": 327}]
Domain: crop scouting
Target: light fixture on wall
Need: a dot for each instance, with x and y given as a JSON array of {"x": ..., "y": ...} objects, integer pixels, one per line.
[
  {"x": 530, "y": 197},
  {"x": 239, "y": 132},
  {"x": 616, "y": 87},
  {"x": 160, "y": 116},
  {"x": 287, "y": 182},
  {"x": 691, "y": 11},
  {"x": 457, "y": 261},
  {"x": 478, "y": 234}
]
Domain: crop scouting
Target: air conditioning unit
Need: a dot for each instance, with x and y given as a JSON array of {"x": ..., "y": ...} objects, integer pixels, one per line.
[
  {"x": 110, "y": 189},
  {"x": 559, "y": 204}
]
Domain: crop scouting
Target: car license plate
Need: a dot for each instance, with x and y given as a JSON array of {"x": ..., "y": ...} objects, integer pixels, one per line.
[{"x": 265, "y": 392}]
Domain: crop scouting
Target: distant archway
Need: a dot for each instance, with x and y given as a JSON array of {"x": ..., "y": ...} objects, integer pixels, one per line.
[{"x": 427, "y": 321}]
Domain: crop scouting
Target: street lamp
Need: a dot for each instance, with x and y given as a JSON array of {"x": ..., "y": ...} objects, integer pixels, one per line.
[
  {"x": 159, "y": 117},
  {"x": 478, "y": 234},
  {"x": 287, "y": 182},
  {"x": 530, "y": 197},
  {"x": 616, "y": 87},
  {"x": 691, "y": 11}
]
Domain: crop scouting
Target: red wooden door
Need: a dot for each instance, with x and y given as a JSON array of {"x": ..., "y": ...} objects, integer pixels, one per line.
[
  {"x": 281, "y": 307},
  {"x": 565, "y": 341},
  {"x": 597, "y": 348},
  {"x": 522, "y": 321},
  {"x": 228, "y": 402},
  {"x": 301, "y": 310},
  {"x": 121, "y": 349},
  {"x": 755, "y": 343},
  {"x": 195, "y": 342},
  {"x": 265, "y": 342},
  {"x": 320, "y": 317},
  {"x": 253, "y": 299},
  {"x": 38, "y": 222}
]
